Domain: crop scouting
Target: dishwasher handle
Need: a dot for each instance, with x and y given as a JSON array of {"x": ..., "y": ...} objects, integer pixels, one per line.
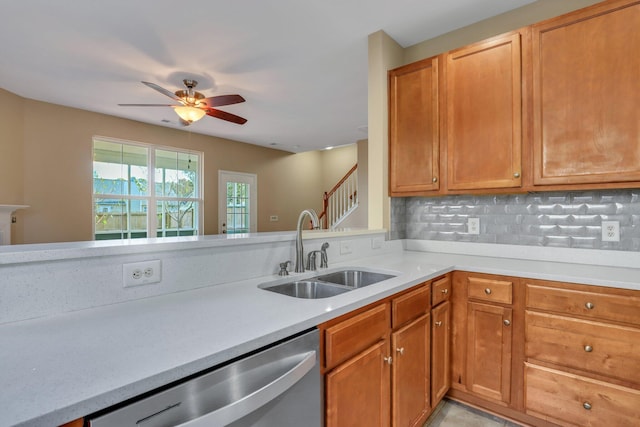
[{"x": 254, "y": 400}]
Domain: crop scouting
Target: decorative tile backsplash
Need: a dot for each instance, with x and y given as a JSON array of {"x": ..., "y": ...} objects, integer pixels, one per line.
[{"x": 562, "y": 219}]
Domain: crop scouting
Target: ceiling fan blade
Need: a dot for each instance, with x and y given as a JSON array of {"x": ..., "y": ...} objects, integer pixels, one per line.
[
  {"x": 163, "y": 91},
  {"x": 219, "y": 101},
  {"x": 146, "y": 105},
  {"x": 218, "y": 114}
]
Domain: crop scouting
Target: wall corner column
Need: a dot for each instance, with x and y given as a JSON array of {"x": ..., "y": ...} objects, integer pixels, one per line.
[{"x": 384, "y": 54}]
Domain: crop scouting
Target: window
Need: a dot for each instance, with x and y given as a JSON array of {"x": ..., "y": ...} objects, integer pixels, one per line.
[
  {"x": 237, "y": 207},
  {"x": 131, "y": 202}
]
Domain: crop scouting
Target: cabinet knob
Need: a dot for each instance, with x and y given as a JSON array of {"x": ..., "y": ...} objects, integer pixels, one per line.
[
  {"x": 389, "y": 360},
  {"x": 445, "y": 291},
  {"x": 516, "y": 175},
  {"x": 587, "y": 406},
  {"x": 434, "y": 179},
  {"x": 487, "y": 291},
  {"x": 400, "y": 350},
  {"x": 588, "y": 348},
  {"x": 589, "y": 306},
  {"x": 439, "y": 323},
  {"x": 506, "y": 322}
]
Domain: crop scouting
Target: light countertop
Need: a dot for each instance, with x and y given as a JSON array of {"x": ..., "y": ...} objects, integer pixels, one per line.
[{"x": 61, "y": 367}]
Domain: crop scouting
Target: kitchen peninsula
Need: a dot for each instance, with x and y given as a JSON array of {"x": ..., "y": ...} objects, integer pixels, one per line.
[{"x": 76, "y": 341}]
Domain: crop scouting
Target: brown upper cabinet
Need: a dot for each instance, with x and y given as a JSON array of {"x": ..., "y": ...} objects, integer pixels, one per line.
[
  {"x": 414, "y": 141},
  {"x": 555, "y": 105},
  {"x": 484, "y": 114},
  {"x": 586, "y": 96}
]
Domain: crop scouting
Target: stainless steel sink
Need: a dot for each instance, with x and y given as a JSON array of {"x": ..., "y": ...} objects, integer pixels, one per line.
[
  {"x": 354, "y": 278},
  {"x": 309, "y": 289},
  {"x": 326, "y": 285}
]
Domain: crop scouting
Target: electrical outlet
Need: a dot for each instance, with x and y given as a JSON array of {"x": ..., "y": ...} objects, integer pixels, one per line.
[
  {"x": 610, "y": 231},
  {"x": 473, "y": 225},
  {"x": 141, "y": 273}
]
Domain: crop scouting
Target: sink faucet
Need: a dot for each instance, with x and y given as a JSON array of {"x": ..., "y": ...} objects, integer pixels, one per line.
[{"x": 299, "y": 249}]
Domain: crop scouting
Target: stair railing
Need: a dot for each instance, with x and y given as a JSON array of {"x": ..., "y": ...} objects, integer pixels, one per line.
[{"x": 340, "y": 200}]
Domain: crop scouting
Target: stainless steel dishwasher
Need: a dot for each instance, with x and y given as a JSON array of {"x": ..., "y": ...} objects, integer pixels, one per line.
[{"x": 278, "y": 386}]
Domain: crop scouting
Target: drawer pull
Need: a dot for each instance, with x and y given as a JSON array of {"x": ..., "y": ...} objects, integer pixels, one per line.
[
  {"x": 589, "y": 306},
  {"x": 506, "y": 322},
  {"x": 439, "y": 323},
  {"x": 400, "y": 350},
  {"x": 588, "y": 348},
  {"x": 587, "y": 406},
  {"x": 389, "y": 360},
  {"x": 434, "y": 179},
  {"x": 445, "y": 291},
  {"x": 487, "y": 291}
]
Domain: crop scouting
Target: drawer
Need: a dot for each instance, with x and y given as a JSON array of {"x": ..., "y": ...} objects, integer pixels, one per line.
[
  {"x": 580, "y": 301},
  {"x": 574, "y": 400},
  {"x": 411, "y": 305},
  {"x": 355, "y": 334},
  {"x": 600, "y": 348},
  {"x": 440, "y": 290},
  {"x": 493, "y": 290}
]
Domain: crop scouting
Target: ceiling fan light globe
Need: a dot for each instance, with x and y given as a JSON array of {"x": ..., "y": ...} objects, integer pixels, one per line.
[{"x": 189, "y": 114}]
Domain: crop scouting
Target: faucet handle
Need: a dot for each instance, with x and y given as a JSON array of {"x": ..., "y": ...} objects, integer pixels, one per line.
[
  {"x": 324, "y": 259},
  {"x": 311, "y": 260},
  {"x": 283, "y": 268}
]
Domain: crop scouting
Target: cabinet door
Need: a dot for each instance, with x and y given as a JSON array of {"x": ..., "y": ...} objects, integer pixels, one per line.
[
  {"x": 410, "y": 374},
  {"x": 357, "y": 391},
  {"x": 440, "y": 358},
  {"x": 586, "y": 102},
  {"x": 483, "y": 119},
  {"x": 489, "y": 351},
  {"x": 413, "y": 128}
]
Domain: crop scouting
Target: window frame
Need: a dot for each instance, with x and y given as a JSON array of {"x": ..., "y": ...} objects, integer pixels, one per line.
[{"x": 152, "y": 199}]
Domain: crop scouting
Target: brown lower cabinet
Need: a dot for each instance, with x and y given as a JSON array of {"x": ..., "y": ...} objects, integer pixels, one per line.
[
  {"x": 489, "y": 351},
  {"x": 410, "y": 397},
  {"x": 582, "y": 348},
  {"x": 357, "y": 391},
  {"x": 380, "y": 362},
  {"x": 440, "y": 351},
  {"x": 546, "y": 353}
]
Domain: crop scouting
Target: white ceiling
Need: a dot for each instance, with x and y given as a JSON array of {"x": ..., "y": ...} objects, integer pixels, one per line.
[{"x": 301, "y": 65}]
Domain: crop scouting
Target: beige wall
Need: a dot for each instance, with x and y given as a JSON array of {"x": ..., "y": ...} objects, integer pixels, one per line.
[
  {"x": 509, "y": 21},
  {"x": 11, "y": 156},
  {"x": 336, "y": 163},
  {"x": 46, "y": 163},
  {"x": 385, "y": 54}
]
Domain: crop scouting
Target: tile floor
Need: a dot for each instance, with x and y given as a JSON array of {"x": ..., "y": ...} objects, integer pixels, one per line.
[{"x": 453, "y": 414}]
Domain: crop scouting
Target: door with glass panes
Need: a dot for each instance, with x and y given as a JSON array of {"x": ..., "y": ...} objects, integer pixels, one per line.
[{"x": 237, "y": 202}]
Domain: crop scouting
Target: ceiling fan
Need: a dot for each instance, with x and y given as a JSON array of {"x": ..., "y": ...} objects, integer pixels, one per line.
[{"x": 194, "y": 105}]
